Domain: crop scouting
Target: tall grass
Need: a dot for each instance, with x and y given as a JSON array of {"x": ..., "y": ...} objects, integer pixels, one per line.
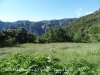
[{"x": 64, "y": 51}]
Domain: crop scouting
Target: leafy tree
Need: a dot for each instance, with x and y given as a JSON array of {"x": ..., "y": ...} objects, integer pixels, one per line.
[
  {"x": 41, "y": 39},
  {"x": 31, "y": 38},
  {"x": 56, "y": 34},
  {"x": 21, "y": 35},
  {"x": 12, "y": 37},
  {"x": 10, "y": 32}
]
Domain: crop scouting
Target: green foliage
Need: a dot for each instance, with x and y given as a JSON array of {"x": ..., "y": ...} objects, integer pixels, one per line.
[
  {"x": 11, "y": 41},
  {"x": 81, "y": 67},
  {"x": 56, "y": 34},
  {"x": 21, "y": 35},
  {"x": 31, "y": 38},
  {"x": 20, "y": 64},
  {"x": 40, "y": 39},
  {"x": 77, "y": 37},
  {"x": 85, "y": 29},
  {"x": 12, "y": 37},
  {"x": 10, "y": 32},
  {"x": 29, "y": 65}
]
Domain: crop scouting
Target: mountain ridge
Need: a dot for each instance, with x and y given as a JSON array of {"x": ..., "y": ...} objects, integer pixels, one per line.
[{"x": 39, "y": 27}]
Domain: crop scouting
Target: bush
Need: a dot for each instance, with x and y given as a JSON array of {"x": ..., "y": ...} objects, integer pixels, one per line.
[
  {"x": 20, "y": 64},
  {"x": 81, "y": 67},
  {"x": 11, "y": 41},
  {"x": 41, "y": 40}
]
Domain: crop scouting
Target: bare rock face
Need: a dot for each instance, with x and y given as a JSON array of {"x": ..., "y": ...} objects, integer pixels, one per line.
[{"x": 38, "y": 28}]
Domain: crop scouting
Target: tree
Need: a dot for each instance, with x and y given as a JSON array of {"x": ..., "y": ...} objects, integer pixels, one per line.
[
  {"x": 56, "y": 34},
  {"x": 10, "y": 32},
  {"x": 31, "y": 38},
  {"x": 21, "y": 35}
]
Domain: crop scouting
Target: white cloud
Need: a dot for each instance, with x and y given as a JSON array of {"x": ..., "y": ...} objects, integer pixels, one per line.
[
  {"x": 78, "y": 12},
  {"x": 88, "y": 13}
]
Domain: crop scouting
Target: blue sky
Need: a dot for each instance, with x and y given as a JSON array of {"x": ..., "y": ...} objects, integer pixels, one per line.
[{"x": 37, "y": 10}]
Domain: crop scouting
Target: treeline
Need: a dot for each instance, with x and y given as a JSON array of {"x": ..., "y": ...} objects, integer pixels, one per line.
[
  {"x": 71, "y": 34},
  {"x": 56, "y": 34},
  {"x": 11, "y": 37}
]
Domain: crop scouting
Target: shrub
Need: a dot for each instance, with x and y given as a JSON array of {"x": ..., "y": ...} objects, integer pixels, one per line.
[
  {"x": 81, "y": 67},
  {"x": 20, "y": 64},
  {"x": 11, "y": 41}
]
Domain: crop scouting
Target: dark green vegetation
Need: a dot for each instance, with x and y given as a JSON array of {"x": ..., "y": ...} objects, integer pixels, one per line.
[
  {"x": 56, "y": 34},
  {"x": 11, "y": 37}
]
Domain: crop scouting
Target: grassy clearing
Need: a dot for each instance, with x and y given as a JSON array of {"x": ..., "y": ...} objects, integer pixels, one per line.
[{"x": 63, "y": 51}]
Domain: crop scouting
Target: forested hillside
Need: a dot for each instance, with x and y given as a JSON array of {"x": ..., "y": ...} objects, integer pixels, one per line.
[{"x": 85, "y": 29}]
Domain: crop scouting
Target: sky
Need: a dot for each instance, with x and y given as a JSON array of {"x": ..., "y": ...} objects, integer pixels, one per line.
[{"x": 37, "y": 10}]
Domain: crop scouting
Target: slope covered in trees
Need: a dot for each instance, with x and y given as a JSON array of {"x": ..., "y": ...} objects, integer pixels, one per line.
[{"x": 85, "y": 29}]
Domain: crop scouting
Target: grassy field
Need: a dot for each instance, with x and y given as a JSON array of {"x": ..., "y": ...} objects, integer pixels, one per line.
[{"x": 63, "y": 51}]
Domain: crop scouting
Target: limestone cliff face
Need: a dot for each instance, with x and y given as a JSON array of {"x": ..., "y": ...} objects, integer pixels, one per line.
[{"x": 38, "y": 28}]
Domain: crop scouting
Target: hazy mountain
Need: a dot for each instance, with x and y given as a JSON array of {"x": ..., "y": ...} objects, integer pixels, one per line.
[{"x": 39, "y": 27}]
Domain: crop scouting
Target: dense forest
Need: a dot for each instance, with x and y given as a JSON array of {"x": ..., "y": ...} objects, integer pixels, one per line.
[
  {"x": 84, "y": 29},
  {"x": 11, "y": 37}
]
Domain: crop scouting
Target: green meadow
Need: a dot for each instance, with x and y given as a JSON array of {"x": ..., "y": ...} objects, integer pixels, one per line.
[{"x": 64, "y": 51}]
